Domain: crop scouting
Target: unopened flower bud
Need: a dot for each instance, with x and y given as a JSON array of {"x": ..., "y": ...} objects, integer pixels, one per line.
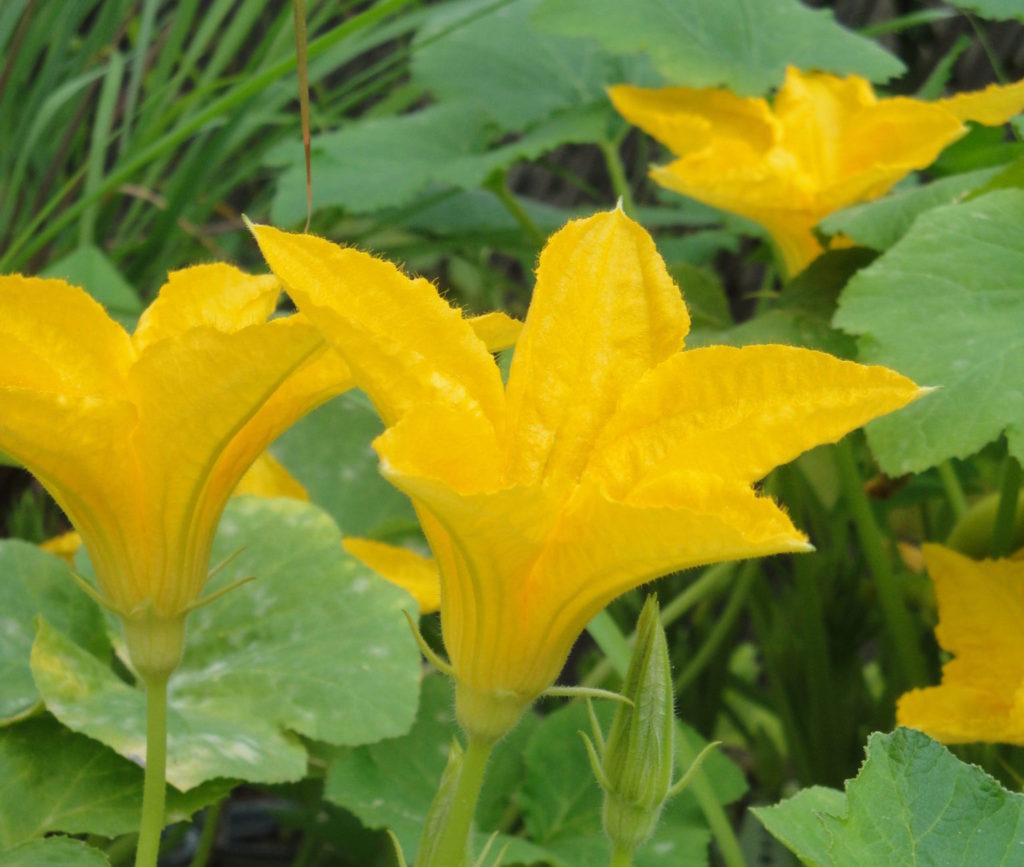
[{"x": 637, "y": 760}]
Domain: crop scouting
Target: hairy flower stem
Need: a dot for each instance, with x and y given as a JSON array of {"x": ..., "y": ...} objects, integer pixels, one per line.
[
  {"x": 451, "y": 847},
  {"x": 155, "y": 786},
  {"x": 621, "y": 858}
]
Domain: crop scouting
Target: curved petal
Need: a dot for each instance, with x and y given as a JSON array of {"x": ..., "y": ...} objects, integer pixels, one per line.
[
  {"x": 772, "y": 190},
  {"x": 604, "y": 546},
  {"x": 217, "y": 296},
  {"x": 738, "y": 412},
  {"x": 57, "y": 338},
  {"x": 404, "y": 344},
  {"x": 993, "y": 106},
  {"x": 194, "y": 395},
  {"x": 268, "y": 477},
  {"x": 604, "y": 311},
  {"x": 401, "y": 566},
  {"x": 496, "y": 329},
  {"x": 79, "y": 450},
  {"x": 981, "y": 608},
  {"x": 816, "y": 111},
  {"x": 686, "y": 119},
  {"x": 457, "y": 447},
  {"x": 883, "y": 144}
]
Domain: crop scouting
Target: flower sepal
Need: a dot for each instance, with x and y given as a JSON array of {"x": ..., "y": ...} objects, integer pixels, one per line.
[
  {"x": 488, "y": 715},
  {"x": 155, "y": 643}
]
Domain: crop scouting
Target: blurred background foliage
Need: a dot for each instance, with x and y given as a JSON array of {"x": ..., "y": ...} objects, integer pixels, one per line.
[{"x": 454, "y": 137}]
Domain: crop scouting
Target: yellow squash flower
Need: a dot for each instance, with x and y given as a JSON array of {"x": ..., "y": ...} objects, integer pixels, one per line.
[
  {"x": 981, "y": 609},
  {"x": 610, "y": 458},
  {"x": 823, "y": 144},
  {"x": 141, "y": 438}
]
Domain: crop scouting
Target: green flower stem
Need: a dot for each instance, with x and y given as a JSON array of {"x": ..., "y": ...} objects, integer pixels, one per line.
[
  {"x": 498, "y": 184},
  {"x": 621, "y": 858},
  {"x": 1006, "y": 514},
  {"x": 155, "y": 786},
  {"x": 617, "y": 174},
  {"x": 898, "y": 623},
  {"x": 721, "y": 828},
  {"x": 451, "y": 846},
  {"x": 954, "y": 491}
]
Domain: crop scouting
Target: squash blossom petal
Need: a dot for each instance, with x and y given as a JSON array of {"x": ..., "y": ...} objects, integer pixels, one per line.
[
  {"x": 401, "y": 566},
  {"x": 141, "y": 438},
  {"x": 981, "y": 608},
  {"x": 610, "y": 458},
  {"x": 823, "y": 144}
]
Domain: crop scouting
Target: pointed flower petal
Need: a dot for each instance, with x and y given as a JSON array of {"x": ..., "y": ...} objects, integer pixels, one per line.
[
  {"x": 405, "y": 345},
  {"x": 268, "y": 477},
  {"x": 497, "y": 330},
  {"x": 400, "y": 566},
  {"x": 604, "y": 311},
  {"x": 993, "y": 106},
  {"x": 738, "y": 412},
  {"x": 218, "y": 296},
  {"x": 605, "y": 546},
  {"x": 981, "y": 608},
  {"x": 55, "y": 337},
  {"x": 686, "y": 119}
]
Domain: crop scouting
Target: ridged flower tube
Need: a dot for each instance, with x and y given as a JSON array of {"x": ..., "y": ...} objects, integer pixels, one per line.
[
  {"x": 981, "y": 612},
  {"x": 610, "y": 458},
  {"x": 822, "y": 144}
]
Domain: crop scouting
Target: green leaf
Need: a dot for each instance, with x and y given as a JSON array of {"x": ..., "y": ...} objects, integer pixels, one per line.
[
  {"x": 731, "y": 43},
  {"x": 54, "y": 852},
  {"x": 997, "y": 10},
  {"x": 562, "y": 802},
  {"x": 488, "y": 57},
  {"x": 801, "y": 314},
  {"x": 705, "y": 297},
  {"x": 945, "y": 306},
  {"x": 89, "y": 267},
  {"x": 881, "y": 223},
  {"x": 35, "y": 582},
  {"x": 316, "y": 646},
  {"x": 797, "y": 822},
  {"x": 386, "y": 162},
  {"x": 912, "y": 803},
  {"x": 380, "y": 162},
  {"x": 392, "y": 783},
  {"x": 54, "y": 780},
  {"x": 329, "y": 452}
]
